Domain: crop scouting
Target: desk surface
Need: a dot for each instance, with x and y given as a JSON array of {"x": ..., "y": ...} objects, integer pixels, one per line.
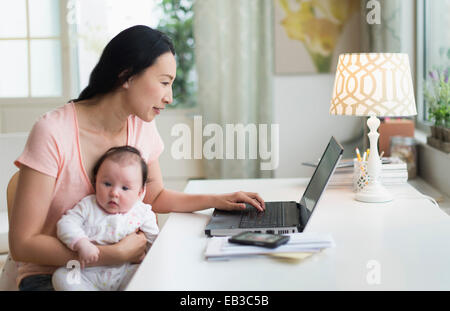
[{"x": 400, "y": 245}]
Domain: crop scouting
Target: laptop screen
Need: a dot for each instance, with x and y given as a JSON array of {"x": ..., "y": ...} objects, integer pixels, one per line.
[{"x": 319, "y": 180}]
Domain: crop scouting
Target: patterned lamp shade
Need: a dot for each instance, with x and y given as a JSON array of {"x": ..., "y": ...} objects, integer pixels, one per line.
[{"x": 377, "y": 84}]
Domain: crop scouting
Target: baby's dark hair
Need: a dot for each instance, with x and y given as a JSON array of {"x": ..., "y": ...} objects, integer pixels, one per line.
[{"x": 118, "y": 154}]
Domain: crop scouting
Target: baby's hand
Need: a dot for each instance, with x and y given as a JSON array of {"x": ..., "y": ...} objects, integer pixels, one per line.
[{"x": 87, "y": 252}]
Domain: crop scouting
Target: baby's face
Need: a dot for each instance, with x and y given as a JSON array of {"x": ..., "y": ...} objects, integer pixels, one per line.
[{"x": 118, "y": 186}]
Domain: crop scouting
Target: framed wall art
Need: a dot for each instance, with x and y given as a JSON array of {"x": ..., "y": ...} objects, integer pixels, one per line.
[{"x": 310, "y": 34}]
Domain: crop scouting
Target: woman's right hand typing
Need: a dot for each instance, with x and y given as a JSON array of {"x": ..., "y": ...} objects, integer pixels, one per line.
[{"x": 133, "y": 247}]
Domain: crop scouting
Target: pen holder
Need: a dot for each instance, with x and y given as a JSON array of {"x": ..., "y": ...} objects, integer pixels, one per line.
[{"x": 360, "y": 175}]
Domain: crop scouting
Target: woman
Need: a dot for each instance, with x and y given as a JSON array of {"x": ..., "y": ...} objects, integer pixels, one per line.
[{"x": 128, "y": 88}]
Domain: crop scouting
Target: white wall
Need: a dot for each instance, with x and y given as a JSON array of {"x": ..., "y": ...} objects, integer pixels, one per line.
[
  {"x": 302, "y": 106},
  {"x": 20, "y": 116},
  {"x": 176, "y": 172},
  {"x": 11, "y": 146}
]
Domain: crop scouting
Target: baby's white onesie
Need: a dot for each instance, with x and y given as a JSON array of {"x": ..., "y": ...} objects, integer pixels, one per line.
[{"x": 88, "y": 220}]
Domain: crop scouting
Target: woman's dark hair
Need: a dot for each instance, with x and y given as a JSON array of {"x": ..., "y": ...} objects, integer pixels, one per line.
[
  {"x": 118, "y": 154},
  {"x": 127, "y": 54}
]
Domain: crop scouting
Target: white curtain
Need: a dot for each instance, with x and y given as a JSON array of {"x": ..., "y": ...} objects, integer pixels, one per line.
[
  {"x": 394, "y": 29},
  {"x": 233, "y": 40}
]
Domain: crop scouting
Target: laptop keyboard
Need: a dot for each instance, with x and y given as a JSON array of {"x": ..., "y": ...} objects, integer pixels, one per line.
[{"x": 273, "y": 216}]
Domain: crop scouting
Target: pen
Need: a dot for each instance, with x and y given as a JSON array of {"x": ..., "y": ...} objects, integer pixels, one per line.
[
  {"x": 368, "y": 151},
  {"x": 381, "y": 155},
  {"x": 358, "y": 155},
  {"x": 364, "y": 156}
]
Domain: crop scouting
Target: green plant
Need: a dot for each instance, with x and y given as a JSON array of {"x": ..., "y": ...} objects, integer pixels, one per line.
[
  {"x": 437, "y": 96},
  {"x": 177, "y": 23}
]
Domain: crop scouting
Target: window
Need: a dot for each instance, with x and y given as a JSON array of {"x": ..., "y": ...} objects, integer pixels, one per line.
[
  {"x": 49, "y": 47},
  {"x": 433, "y": 47},
  {"x": 31, "y": 39},
  {"x": 98, "y": 21},
  {"x": 177, "y": 22}
]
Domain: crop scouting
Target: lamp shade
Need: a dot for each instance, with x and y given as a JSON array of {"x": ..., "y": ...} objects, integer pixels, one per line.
[{"x": 373, "y": 84}]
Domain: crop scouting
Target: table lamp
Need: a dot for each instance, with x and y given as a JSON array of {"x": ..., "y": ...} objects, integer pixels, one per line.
[{"x": 374, "y": 85}]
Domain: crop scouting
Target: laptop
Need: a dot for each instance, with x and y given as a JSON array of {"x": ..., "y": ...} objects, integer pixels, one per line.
[{"x": 280, "y": 217}]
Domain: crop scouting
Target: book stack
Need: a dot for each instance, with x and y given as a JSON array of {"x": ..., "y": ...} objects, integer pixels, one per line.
[{"x": 393, "y": 171}]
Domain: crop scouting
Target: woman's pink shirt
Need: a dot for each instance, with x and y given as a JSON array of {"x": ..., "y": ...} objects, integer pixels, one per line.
[{"x": 53, "y": 148}]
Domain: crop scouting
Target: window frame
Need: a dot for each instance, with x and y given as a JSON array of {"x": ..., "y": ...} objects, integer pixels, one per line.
[
  {"x": 421, "y": 122},
  {"x": 69, "y": 66},
  {"x": 421, "y": 63},
  {"x": 66, "y": 65}
]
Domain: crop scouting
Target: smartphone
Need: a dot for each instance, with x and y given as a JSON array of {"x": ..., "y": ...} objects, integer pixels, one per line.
[{"x": 259, "y": 239}]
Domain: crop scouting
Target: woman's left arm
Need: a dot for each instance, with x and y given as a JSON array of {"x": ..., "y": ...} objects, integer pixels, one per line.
[{"x": 166, "y": 201}]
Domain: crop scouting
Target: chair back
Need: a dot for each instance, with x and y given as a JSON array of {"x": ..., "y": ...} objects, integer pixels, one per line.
[{"x": 9, "y": 272}]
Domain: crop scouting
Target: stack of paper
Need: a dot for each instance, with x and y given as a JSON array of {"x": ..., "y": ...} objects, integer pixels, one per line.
[
  {"x": 218, "y": 248},
  {"x": 393, "y": 171}
]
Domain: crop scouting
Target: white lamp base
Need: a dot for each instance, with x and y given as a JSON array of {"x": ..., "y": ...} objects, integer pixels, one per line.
[{"x": 374, "y": 193}]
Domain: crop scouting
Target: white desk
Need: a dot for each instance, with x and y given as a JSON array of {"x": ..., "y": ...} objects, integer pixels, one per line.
[{"x": 409, "y": 238}]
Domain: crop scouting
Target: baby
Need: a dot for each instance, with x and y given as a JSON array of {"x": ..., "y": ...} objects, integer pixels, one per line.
[{"x": 115, "y": 211}]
